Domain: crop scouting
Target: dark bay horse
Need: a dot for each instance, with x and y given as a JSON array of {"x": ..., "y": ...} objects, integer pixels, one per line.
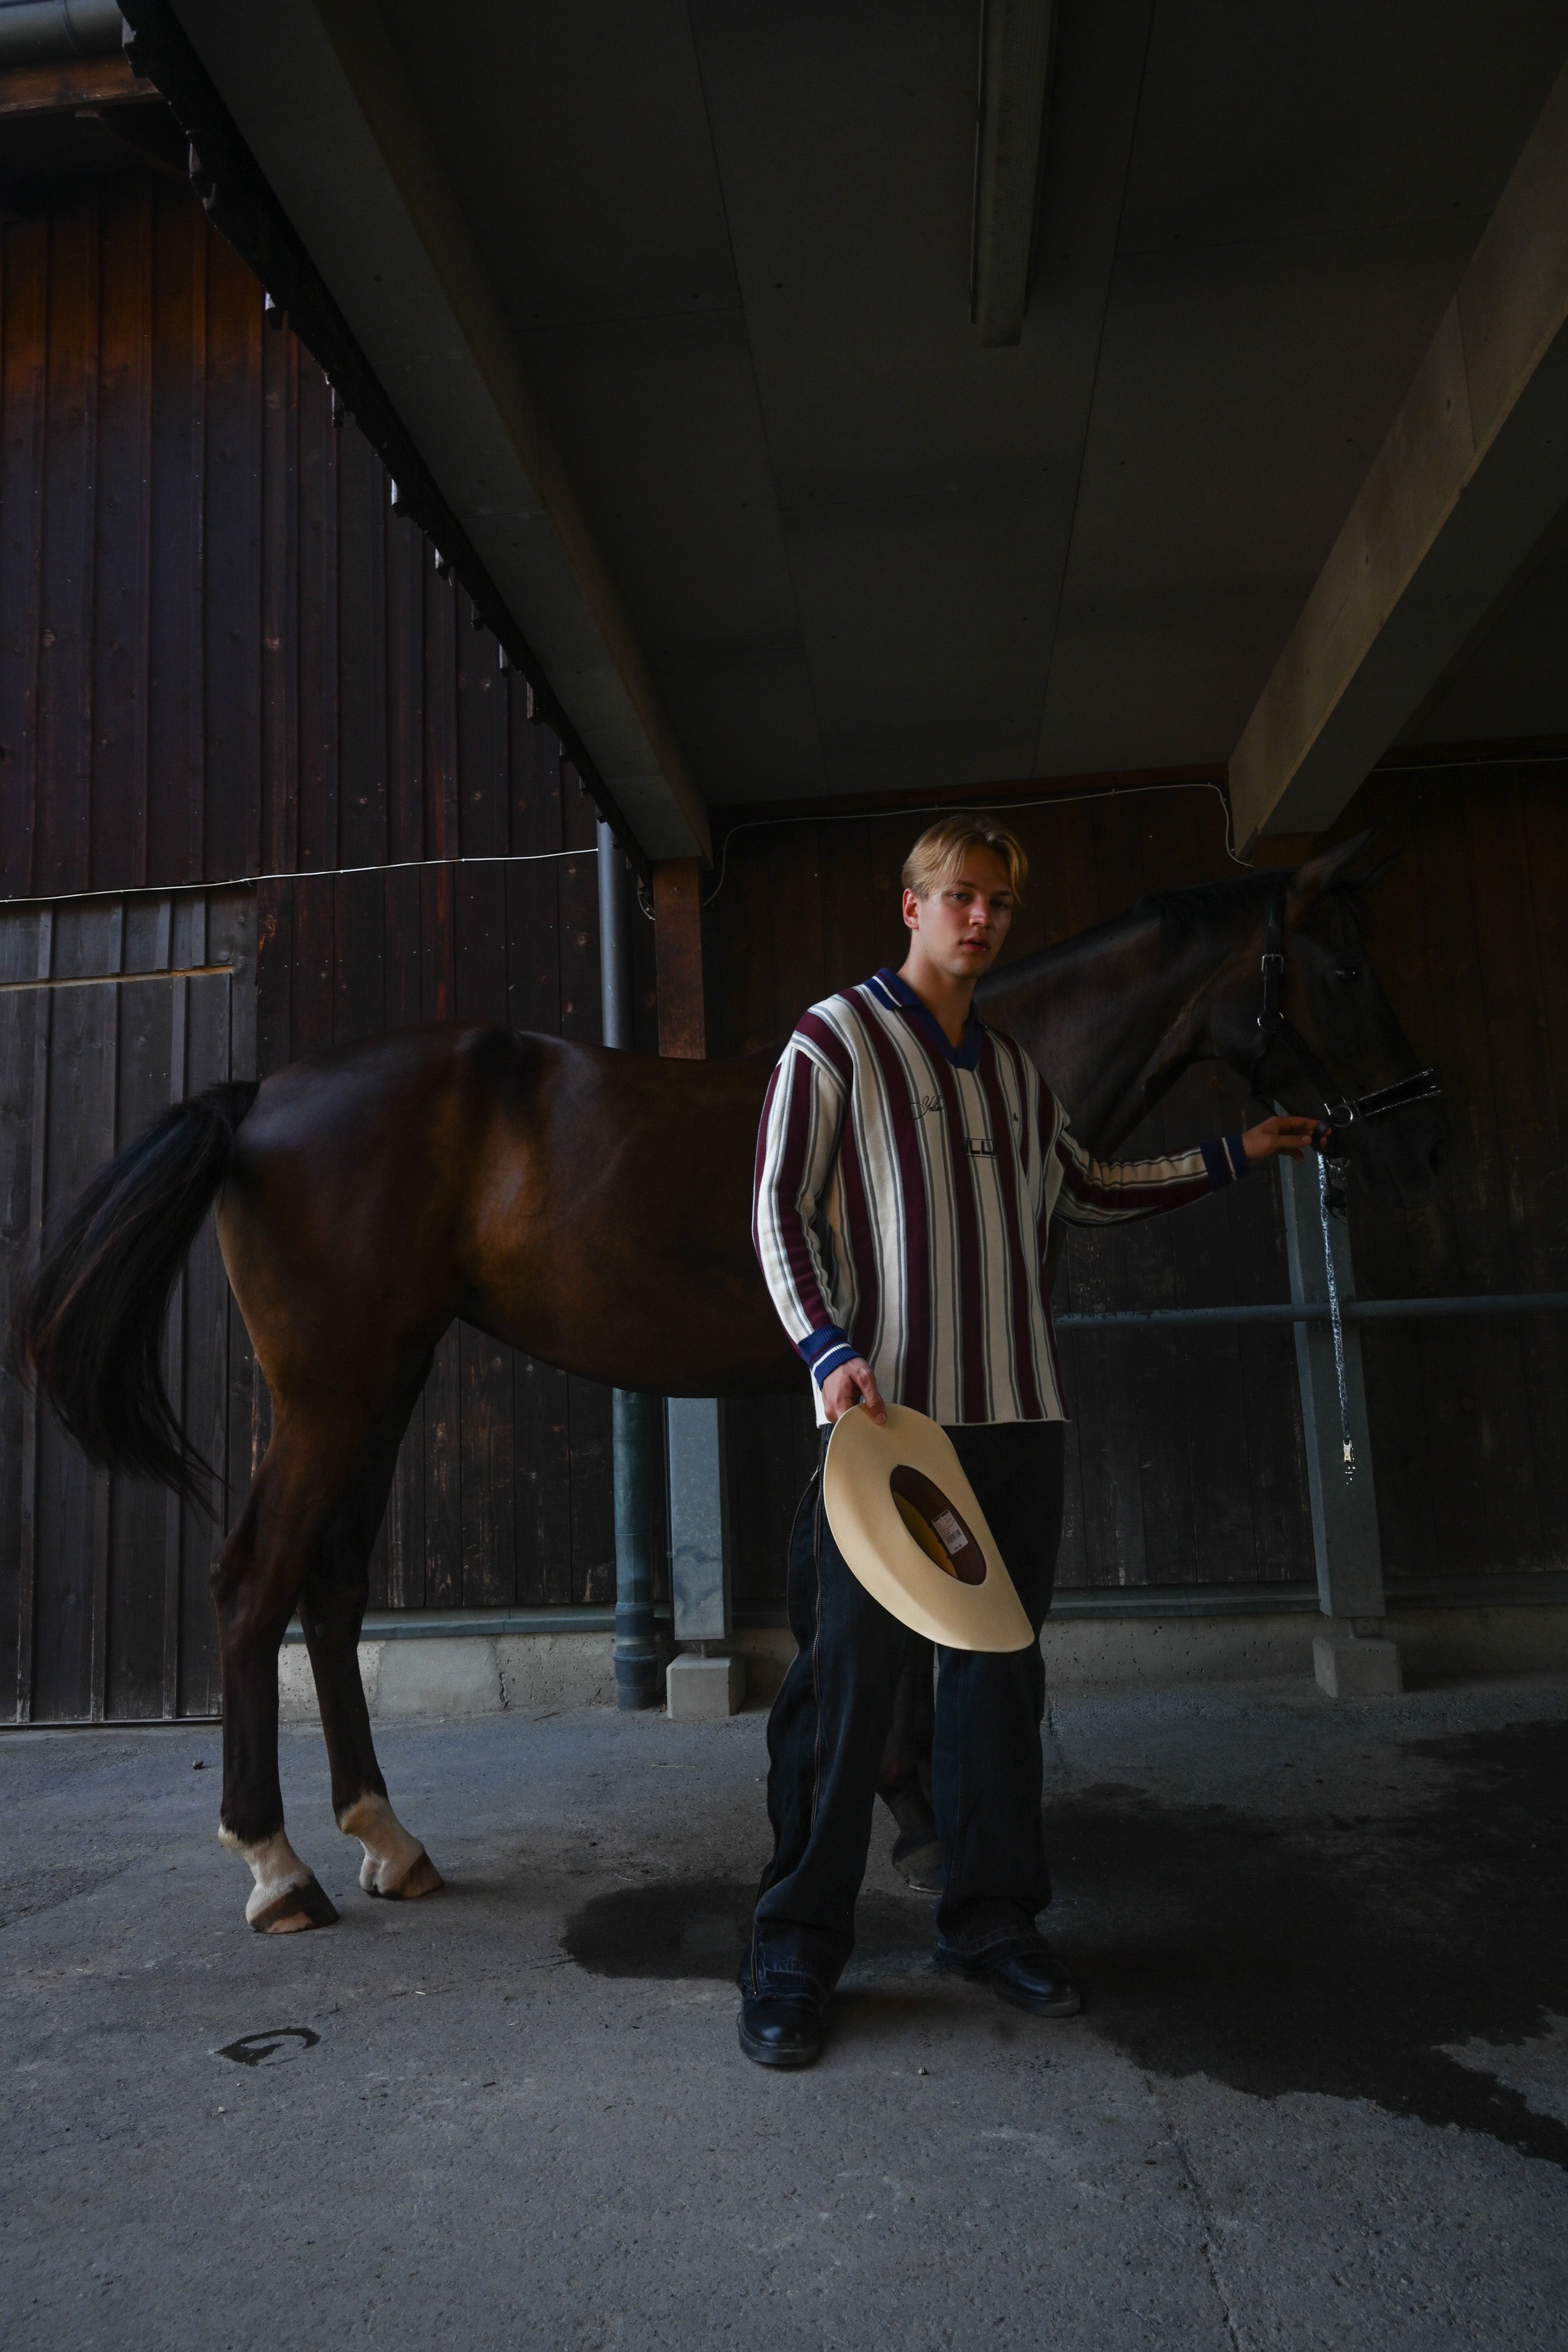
[{"x": 590, "y": 1207}]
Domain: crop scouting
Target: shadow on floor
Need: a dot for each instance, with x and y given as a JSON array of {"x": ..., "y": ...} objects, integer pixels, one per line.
[{"x": 1335, "y": 1957}]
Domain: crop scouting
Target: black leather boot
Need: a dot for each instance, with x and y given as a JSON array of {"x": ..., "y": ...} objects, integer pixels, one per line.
[
  {"x": 1035, "y": 1980},
  {"x": 781, "y": 2028}
]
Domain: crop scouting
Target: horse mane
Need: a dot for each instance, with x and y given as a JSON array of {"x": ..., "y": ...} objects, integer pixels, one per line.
[
  {"x": 1203, "y": 905},
  {"x": 1187, "y": 913},
  {"x": 1199, "y": 907}
]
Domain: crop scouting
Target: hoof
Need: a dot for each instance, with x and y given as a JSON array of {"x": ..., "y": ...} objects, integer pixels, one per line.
[
  {"x": 297, "y": 1908},
  {"x": 422, "y": 1877}
]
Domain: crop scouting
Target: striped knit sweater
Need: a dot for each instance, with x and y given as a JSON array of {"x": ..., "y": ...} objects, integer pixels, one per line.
[{"x": 903, "y": 1194}]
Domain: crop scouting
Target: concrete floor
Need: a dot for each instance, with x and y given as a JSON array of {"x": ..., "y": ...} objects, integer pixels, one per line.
[{"x": 1319, "y": 2095}]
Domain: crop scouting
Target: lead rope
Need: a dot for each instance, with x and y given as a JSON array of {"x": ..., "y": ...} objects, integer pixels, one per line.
[{"x": 1336, "y": 1320}]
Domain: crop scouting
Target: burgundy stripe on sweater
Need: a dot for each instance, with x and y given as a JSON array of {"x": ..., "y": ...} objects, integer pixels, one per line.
[{"x": 903, "y": 1204}]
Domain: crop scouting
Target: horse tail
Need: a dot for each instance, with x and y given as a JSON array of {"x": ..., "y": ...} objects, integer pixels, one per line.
[{"x": 89, "y": 1326}]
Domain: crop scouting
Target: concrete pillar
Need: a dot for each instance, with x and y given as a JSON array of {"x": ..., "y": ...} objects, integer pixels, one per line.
[
  {"x": 699, "y": 1683},
  {"x": 1352, "y": 1656}
]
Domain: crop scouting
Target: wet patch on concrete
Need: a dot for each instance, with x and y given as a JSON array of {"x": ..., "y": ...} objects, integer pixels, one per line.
[
  {"x": 698, "y": 1927},
  {"x": 670, "y": 1927},
  {"x": 1335, "y": 1955}
]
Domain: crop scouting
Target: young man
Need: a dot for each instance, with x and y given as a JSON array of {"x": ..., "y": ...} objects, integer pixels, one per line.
[{"x": 909, "y": 1163}]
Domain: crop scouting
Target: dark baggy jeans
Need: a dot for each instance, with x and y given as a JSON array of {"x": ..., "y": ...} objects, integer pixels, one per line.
[{"x": 830, "y": 1725}]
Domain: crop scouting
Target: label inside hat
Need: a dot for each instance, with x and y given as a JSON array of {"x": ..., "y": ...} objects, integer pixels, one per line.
[{"x": 936, "y": 1525}]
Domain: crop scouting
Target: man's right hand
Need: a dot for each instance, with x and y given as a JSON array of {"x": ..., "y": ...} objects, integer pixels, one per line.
[{"x": 853, "y": 1383}]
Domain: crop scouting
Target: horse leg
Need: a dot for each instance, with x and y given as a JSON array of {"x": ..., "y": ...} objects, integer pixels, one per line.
[
  {"x": 331, "y": 1611},
  {"x": 903, "y": 1781},
  {"x": 257, "y": 1582}
]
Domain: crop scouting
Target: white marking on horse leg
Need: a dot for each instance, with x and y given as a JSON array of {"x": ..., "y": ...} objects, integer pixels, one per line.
[
  {"x": 278, "y": 1873},
  {"x": 396, "y": 1864}
]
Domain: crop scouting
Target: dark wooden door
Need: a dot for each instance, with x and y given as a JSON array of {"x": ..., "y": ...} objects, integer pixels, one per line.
[
  {"x": 504, "y": 1492},
  {"x": 111, "y": 1009}
]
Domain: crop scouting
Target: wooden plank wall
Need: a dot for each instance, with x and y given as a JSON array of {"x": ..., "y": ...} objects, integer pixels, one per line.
[
  {"x": 1185, "y": 1460},
  {"x": 109, "y": 1010},
  {"x": 221, "y": 654},
  {"x": 1469, "y": 1420},
  {"x": 137, "y": 395},
  {"x": 1185, "y": 1457}
]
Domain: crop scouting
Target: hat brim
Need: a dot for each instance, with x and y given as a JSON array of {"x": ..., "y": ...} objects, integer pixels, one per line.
[{"x": 882, "y": 1554}]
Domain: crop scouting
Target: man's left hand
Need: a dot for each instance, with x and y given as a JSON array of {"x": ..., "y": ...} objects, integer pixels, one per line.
[{"x": 1272, "y": 1136}]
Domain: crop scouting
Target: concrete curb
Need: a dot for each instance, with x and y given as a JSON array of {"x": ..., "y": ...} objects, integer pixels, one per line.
[
  {"x": 470, "y": 1675},
  {"x": 474, "y": 1674}
]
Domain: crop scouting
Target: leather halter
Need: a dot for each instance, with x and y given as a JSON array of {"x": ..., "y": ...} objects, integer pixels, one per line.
[{"x": 1343, "y": 1110}]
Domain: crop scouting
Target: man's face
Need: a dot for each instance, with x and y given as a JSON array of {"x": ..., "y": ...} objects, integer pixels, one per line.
[{"x": 960, "y": 927}]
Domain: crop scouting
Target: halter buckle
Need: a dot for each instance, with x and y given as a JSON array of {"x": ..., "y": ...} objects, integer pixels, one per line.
[{"x": 1271, "y": 962}]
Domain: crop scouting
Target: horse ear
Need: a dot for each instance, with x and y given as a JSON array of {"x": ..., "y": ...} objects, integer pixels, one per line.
[
  {"x": 1374, "y": 873},
  {"x": 1329, "y": 867}
]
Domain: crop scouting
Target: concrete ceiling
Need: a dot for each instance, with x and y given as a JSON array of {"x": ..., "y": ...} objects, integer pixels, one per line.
[{"x": 855, "y": 548}]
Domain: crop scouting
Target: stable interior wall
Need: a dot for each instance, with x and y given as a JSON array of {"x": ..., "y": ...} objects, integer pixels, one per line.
[
  {"x": 1184, "y": 1452},
  {"x": 1470, "y": 931},
  {"x": 109, "y": 1010},
  {"x": 223, "y": 655},
  {"x": 1185, "y": 1460}
]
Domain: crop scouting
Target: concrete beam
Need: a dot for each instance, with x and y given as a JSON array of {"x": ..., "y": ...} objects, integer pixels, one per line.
[
  {"x": 1016, "y": 38},
  {"x": 319, "y": 96},
  {"x": 1472, "y": 474}
]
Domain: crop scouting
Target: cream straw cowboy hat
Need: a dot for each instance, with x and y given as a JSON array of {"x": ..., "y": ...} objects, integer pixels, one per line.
[{"x": 905, "y": 1518}]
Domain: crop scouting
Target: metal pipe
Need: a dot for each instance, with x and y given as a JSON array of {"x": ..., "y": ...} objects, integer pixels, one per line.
[
  {"x": 1355, "y": 1310},
  {"x": 615, "y": 944},
  {"x": 37, "y": 31},
  {"x": 637, "y": 1419}
]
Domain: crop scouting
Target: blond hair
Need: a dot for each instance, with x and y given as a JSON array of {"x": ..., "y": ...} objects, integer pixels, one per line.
[{"x": 940, "y": 852}]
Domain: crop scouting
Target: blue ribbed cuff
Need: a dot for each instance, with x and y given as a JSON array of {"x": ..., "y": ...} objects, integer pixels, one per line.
[
  {"x": 825, "y": 1351},
  {"x": 1225, "y": 1161}
]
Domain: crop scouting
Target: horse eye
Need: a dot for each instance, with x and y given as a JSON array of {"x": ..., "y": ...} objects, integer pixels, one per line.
[{"x": 1346, "y": 971}]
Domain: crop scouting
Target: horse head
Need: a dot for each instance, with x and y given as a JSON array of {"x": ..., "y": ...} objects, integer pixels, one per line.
[{"x": 1328, "y": 1028}]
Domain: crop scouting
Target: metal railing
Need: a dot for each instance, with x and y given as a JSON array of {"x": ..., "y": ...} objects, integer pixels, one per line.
[{"x": 1355, "y": 1310}]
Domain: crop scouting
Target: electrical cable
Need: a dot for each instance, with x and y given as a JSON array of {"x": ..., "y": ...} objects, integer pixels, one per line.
[
  {"x": 999, "y": 807},
  {"x": 298, "y": 873}
]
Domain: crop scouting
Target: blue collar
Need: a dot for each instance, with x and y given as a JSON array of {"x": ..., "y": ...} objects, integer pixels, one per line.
[{"x": 966, "y": 1053}]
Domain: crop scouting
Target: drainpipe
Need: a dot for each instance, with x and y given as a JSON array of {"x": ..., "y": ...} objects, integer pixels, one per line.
[
  {"x": 37, "y": 31},
  {"x": 638, "y": 1417}
]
